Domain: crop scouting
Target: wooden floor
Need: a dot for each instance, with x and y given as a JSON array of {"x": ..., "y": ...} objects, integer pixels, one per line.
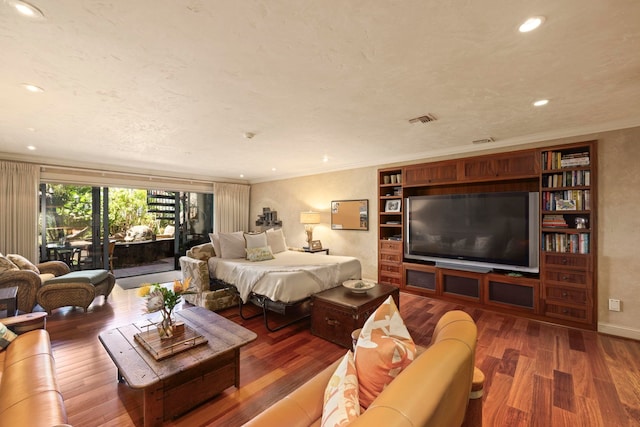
[{"x": 536, "y": 374}]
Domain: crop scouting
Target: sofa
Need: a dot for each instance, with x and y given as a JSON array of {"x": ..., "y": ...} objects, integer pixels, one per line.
[
  {"x": 29, "y": 392},
  {"x": 28, "y": 281},
  {"x": 433, "y": 391}
]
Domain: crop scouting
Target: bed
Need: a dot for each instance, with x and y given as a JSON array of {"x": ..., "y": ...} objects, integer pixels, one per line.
[{"x": 284, "y": 284}]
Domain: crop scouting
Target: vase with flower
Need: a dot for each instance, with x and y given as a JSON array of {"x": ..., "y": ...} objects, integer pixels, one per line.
[{"x": 164, "y": 299}]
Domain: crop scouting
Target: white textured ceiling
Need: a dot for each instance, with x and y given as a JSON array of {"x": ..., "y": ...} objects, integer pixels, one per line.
[{"x": 172, "y": 85}]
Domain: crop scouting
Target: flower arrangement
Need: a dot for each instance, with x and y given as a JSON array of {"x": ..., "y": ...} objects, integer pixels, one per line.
[{"x": 163, "y": 299}]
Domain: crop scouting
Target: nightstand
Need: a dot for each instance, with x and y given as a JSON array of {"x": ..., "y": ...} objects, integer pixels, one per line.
[{"x": 317, "y": 251}]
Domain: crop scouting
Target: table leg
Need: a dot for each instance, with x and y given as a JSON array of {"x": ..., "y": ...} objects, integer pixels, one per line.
[{"x": 153, "y": 403}]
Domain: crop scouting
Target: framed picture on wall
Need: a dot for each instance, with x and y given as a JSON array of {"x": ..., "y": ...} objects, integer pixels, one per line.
[{"x": 393, "y": 205}]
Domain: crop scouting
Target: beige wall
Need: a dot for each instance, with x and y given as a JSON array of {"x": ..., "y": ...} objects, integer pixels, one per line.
[
  {"x": 292, "y": 196},
  {"x": 618, "y": 216}
]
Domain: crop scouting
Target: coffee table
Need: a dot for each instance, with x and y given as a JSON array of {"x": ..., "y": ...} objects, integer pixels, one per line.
[
  {"x": 337, "y": 312},
  {"x": 177, "y": 384}
]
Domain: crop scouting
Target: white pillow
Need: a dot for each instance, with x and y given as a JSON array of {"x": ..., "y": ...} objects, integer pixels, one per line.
[
  {"x": 258, "y": 240},
  {"x": 275, "y": 239},
  {"x": 232, "y": 245},
  {"x": 215, "y": 241}
]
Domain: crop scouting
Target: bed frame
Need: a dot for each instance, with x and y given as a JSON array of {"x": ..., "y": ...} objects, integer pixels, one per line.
[{"x": 300, "y": 310}]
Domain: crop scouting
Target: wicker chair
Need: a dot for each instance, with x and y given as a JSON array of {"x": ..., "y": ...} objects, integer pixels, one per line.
[
  {"x": 28, "y": 282},
  {"x": 75, "y": 290}
]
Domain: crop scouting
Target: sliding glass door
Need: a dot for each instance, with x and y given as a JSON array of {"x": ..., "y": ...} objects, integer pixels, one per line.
[{"x": 121, "y": 229}]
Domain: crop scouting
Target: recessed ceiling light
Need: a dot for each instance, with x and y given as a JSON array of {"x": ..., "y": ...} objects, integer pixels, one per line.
[
  {"x": 325, "y": 158},
  {"x": 241, "y": 175},
  {"x": 27, "y": 9},
  {"x": 31, "y": 147},
  {"x": 531, "y": 24},
  {"x": 32, "y": 88},
  {"x": 273, "y": 169},
  {"x": 541, "y": 102}
]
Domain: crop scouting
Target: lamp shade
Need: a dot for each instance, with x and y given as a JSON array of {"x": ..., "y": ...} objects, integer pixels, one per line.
[{"x": 309, "y": 217}]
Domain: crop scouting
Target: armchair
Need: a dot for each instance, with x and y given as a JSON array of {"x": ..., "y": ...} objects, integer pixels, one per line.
[{"x": 28, "y": 282}]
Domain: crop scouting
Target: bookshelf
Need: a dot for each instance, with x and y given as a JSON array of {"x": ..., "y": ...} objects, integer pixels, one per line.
[
  {"x": 567, "y": 242},
  {"x": 564, "y": 291},
  {"x": 390, "y": 229}
]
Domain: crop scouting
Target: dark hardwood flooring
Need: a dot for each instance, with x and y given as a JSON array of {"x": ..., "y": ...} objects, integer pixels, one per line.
[{"x": 537, "y": 374}]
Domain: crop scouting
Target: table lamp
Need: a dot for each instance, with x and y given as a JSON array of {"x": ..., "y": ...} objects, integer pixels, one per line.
[{"x": 309, "y": 219}]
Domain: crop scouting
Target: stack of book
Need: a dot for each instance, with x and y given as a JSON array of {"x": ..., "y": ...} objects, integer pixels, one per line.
[
  {"x": 557, "y": 159},
  {"x": 574, "y": 159},
  {"x": 554, "y": 221}
]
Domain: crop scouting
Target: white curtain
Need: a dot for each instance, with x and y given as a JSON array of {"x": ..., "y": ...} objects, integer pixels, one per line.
[
  {"x": 231, "y": 207},
  {"x": 19, "y": 209}
]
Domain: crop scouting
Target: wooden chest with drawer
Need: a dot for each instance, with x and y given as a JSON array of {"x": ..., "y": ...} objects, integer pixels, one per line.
[{"x": 336, "y": 312}]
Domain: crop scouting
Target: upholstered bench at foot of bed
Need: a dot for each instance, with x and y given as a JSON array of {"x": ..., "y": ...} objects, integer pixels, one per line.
[{"x": 78, "y": 288}]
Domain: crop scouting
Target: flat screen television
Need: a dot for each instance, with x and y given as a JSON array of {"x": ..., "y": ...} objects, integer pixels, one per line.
[{"x": 478, "y": 232}]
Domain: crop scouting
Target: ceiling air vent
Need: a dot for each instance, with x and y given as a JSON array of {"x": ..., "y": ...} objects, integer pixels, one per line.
[
  {"x": 483, "y": 141},
  {"x": 423, "y": 119}
]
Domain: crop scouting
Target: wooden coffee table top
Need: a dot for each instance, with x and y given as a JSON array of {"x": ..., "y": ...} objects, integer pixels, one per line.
[{"x": 140, "y": 369}]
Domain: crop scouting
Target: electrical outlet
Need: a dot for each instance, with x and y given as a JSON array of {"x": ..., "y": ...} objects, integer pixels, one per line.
[{"x": 614, "y": 304}]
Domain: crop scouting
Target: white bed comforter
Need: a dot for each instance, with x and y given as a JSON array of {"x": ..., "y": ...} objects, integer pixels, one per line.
[{"x": 292, "y": 276}]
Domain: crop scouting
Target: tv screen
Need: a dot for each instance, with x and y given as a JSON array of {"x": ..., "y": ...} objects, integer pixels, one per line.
[{"x": 479, "y": 231}]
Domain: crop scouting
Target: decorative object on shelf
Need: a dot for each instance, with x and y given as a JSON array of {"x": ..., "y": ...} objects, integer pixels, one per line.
[
  {"x": 268, "y": 219},
  {"x": 162, "y": 299},
  {"x": 392, "y": 206},
  {"x": 359, "y": 286},
  {"x": 350, "y": 214},
  {"x": 309, "y": 219},
  {"x": 581, "y": 222}
]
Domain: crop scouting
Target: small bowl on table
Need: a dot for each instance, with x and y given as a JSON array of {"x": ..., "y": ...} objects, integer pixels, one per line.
[{"x": 359, "y": 286}]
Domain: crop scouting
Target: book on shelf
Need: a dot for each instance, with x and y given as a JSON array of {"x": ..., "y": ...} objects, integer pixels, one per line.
[
  {"x": 557, "y": 160},
  {"x": 554, "y": 221},
  {"x": 566, "y": 243}
]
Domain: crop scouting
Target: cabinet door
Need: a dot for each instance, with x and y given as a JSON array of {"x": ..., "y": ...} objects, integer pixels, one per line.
[
  {"x": 520, "y": 165},
  {"x": 432, "y": 173}
]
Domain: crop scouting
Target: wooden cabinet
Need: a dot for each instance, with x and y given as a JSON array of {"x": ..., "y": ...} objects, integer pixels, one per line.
[
  {"x": 567, "y": 204},
  {"x": 390, "y": 262},
  {"x": 501, "y": 166},
  {"x": 431, "y": 173},
  {"x": 564, "y": 176}
]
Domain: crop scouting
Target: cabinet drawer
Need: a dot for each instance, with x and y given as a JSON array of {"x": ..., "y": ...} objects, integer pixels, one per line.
[
  {"x": 568, "y": 295},
  {"x": 572, "y": 261},
  {"x": 391, "y": 246},
  {"x": 388, "y": 257},
  {"x": 567, "y": 276},
  {"x": 390, "y": 278},
  {"x": 388, "y": 267},
  {"x": 567, "y": 312}
]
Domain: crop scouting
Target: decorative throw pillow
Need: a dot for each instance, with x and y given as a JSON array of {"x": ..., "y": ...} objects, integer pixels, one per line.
[
  {"x": 215, "y": 241},
  {"x": 23, "y": 263},
  {"x": 231, "y": 245},
  {"x": 202, "y": 252},
  {"x": 275, "y": 239},
  {"x": 7, "y": 265},
  {"x": 383, "y": 350},
  {"x": 257, "y": 240},
  {"x": 341, "y": 405},
  {"x": 259, "y": 254},
  {"x": 6, "y": 336}
]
